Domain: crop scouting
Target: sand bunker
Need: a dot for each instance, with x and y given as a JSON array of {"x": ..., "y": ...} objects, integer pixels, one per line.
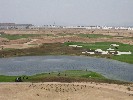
[{"x": 64, "y": 91}]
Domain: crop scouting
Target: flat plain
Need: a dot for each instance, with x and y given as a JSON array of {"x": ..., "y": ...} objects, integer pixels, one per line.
[{"x": 56, "y": 42}]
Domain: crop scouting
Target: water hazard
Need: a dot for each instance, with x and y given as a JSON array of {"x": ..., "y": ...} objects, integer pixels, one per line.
[{"x": 32, "y": 65}]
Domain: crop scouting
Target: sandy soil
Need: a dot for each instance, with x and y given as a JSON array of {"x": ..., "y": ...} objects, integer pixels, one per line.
[
  {"x": 64, "y": 91},
  {"x": 125, "y": 33},
  {"x": 59, "y": 35}
]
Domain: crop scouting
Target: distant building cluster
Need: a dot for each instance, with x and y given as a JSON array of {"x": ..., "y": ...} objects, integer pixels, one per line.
[
  {"x": 100, "y": 27},
  {"x": 14, "y": 26},
  {"x": 30, "y": 26},
  {"x": 44, "y": 26}
]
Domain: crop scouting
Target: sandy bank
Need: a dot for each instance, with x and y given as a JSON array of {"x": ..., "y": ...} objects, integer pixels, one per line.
[{"x": 64, "y": 91}]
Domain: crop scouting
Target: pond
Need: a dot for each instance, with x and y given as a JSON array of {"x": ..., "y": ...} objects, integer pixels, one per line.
[{"x": 31, "y": 65}]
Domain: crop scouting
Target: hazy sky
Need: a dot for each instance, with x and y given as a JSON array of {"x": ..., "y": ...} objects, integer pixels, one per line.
[{"x": 67, "y": 12}]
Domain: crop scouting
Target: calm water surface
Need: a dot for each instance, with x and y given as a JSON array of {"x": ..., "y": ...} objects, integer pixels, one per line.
[{"x": 39, "y": 64}]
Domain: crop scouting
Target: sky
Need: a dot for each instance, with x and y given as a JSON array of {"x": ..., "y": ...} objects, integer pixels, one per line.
[{"x": 68, "y": 12}]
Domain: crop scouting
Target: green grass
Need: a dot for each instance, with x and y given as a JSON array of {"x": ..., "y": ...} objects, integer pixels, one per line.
[
  {"x": 105, "y": 46},
  {"x": 70, "y": 73},
  {"x": 86, "y": 35},
  {"x": 65, "y": 34},
  {"x": 7, "y": 78},
  {"x": 78, "y": 74},
  {"x": 94, "y": 35},
  {"x": 93, "y": 75},
  {"x": 65, "y": 76},
  {"x": 124, "y": 58},
  {"x": 102, "y": 45},
  {"x": 18, "y": 36},
  {"x": 32, "y": 44},
  {"x": 8, "y": 49},
  {"x": 93, "y": 46}
]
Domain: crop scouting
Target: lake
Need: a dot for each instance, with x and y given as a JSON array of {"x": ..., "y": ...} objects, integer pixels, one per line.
[{"x": 31, "y": 65}]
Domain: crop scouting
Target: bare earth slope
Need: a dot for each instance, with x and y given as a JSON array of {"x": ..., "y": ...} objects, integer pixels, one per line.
[{"x": 64, "y": 91}]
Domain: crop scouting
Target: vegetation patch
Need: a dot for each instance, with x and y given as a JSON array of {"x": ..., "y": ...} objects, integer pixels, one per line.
[
  {"x": 105, "y": 46},
  {"x": 64, "y": 49},
  {"x": 124, "y": 58},
  {"x": 65, "y": 34},
  {"x": 94, "y": 35},
  {"x": 17, "y": 36},
  {"x": 102, "y": 45},
  {"x": 62, "y": 76},
  {"x": 45, "y": 49},
  {"x": 7, "y": 78},
  {"x": 93, "y": 75}
]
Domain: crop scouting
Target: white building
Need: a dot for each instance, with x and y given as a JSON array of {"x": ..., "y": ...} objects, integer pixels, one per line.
[
  {"x": 14, "y": 26},
  {"x": 114, "y": 45},
  {"x": 125, "y": 53},
  {"x": 90, "y": 52},
  {"x": 130, "y": 28},
  {"x": 106, "y": 28},
  {"x": 110, "y": 49},
  {"x": 75, "y": 46},
  {"x": 98, "y": 50},
  {"x": 105, "y": 52}
]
